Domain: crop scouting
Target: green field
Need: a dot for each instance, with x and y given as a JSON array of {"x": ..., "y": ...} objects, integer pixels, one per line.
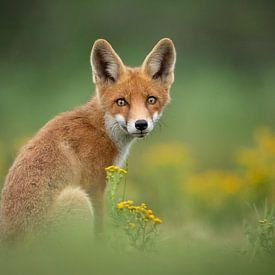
[{"x": 203, "y": 171}]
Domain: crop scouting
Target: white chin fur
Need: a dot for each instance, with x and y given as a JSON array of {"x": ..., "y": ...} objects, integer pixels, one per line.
[{"x": 123, "y": 134}]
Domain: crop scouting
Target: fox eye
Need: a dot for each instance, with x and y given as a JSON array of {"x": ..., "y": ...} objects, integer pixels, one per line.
[
  {"x": 151, "y": 100},
  {"x": 121, "y": 102}
]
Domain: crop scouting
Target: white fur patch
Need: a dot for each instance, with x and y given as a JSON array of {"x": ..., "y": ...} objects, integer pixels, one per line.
[
  {"x": 133, "y": 130},
  {"x": 131, "y": 127},
  {"x": 120, "y": 119},
  {"x": 122, "y": 155},
  {"x": 156, "y": 117},
  {"x": 120, "y": 137}
]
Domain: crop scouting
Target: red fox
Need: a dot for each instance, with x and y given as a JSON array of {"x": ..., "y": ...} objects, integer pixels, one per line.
[{"x": 63, "y": 164}]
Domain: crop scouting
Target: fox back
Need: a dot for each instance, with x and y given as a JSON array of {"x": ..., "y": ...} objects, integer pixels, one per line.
[{"x": 62, "y": 167}]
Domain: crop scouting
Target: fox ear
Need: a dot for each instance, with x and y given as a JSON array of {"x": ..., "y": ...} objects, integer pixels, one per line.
[
  {"x": 160, "y": 62},
  {"x": 106, "y": 64}
]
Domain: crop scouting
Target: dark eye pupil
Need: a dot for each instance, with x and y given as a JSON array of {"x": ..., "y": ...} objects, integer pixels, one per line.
[
  {"x": 151, "y": 100},
  {"x": 121, "y": 102}
]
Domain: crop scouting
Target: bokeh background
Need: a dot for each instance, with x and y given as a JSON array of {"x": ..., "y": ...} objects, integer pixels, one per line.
[{"x": 214, "y": 152}]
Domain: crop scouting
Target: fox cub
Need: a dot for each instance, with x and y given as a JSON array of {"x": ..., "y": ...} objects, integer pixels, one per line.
[{"x": 62, "y": 166}]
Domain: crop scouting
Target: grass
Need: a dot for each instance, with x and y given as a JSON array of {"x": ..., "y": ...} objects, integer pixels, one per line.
[
  {"x": 190, "y": 246},
  {"x": 76, "y": 253}
]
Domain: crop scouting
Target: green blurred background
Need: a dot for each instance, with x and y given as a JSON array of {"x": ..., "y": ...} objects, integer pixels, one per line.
[
  {"x": 224, "y": 88},
  {"x": 224, "y": 92},
  {"x": 225, "y": 69}
]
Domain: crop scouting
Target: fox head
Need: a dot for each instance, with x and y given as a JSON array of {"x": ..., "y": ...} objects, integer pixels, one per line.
[{"x": 132, "y": 99}]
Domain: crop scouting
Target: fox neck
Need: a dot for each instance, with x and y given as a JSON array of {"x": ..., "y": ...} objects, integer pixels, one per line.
[
  {"x": 120, "y": 138},
  {"x": 107, "y": 123}
]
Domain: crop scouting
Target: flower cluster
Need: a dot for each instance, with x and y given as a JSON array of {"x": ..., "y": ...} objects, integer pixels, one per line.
[
  {"x": 146, "y": 214},
  {"x": 114, "y": 168},
  {"x": 252, "y": 180},
  {"x": 212, "y": 188},
  {"x": 137, "y": 222}
]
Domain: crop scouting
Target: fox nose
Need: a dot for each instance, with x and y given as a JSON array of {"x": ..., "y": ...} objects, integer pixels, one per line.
[{"x": 141, "y": 124}]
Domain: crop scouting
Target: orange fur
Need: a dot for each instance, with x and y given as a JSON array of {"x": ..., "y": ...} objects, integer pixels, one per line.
[{"x": 72, "y": 150}]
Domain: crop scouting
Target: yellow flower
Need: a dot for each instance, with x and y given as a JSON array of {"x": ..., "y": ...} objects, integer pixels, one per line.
[
  {"x": 143, "y": 205},
  {"x": 151, "y": 217},
  {"x": 122, "y": 171},
  {"x": 110, "y": 168},
  {"x": 212, "y": 187},
  {"x": 157, "y": 221},
  {"x": 149, "y": 212},
  {"x": 120, "y": 205},
  {"x": 117, "y": 169}
]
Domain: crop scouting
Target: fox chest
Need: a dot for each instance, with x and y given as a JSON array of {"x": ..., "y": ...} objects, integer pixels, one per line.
[{"x": 122, "y": 154}]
